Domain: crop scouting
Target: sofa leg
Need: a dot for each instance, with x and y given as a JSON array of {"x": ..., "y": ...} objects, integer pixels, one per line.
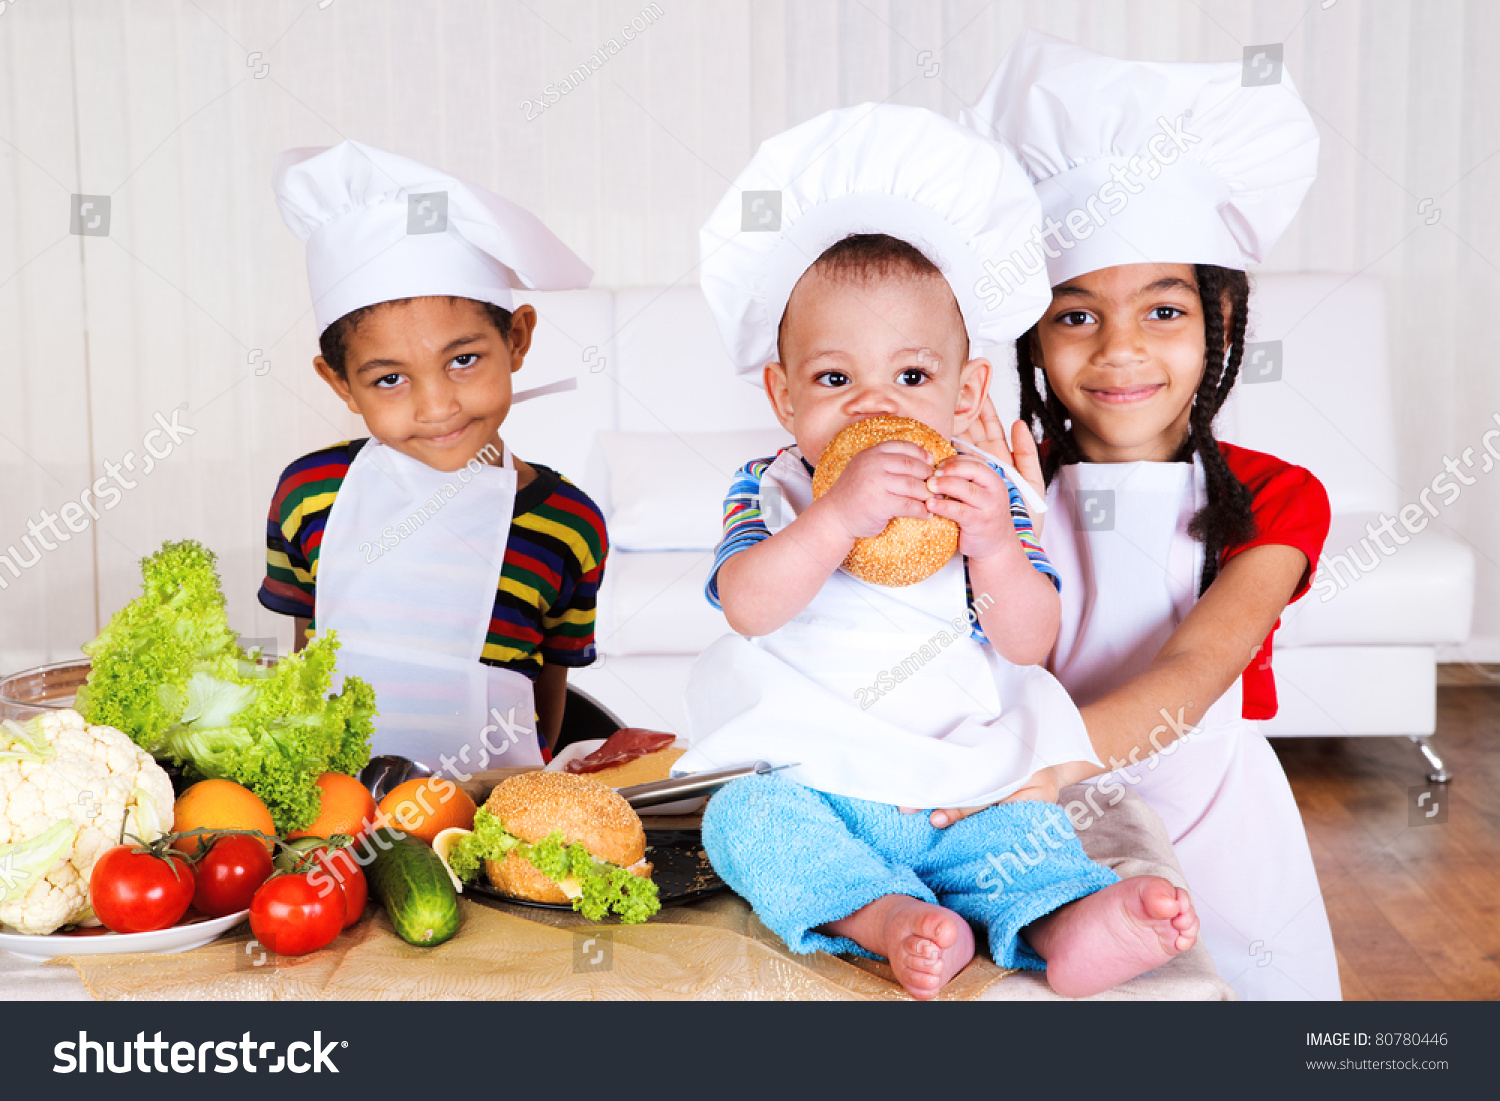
[{"x": 1437, "y": 774}]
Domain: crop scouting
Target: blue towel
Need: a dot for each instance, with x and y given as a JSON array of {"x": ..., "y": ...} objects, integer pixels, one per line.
[{"x": 804, "y": 858}]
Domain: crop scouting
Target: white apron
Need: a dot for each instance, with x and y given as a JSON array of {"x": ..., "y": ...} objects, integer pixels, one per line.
[
  {"x": 1118, "y": 537},
  {"x": 407, "y": 576},
  {"x": 879, "y": 693}
]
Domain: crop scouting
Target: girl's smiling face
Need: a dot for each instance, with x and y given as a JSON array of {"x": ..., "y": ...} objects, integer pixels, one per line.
[
  {"x": 1123, "y": 350},
  {"x": 431, "y": 376},
  {"x": 865, "y": 345}
]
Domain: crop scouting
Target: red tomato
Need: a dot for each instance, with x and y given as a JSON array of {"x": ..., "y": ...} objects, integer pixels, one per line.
[
  {"x": 137, "y": 892},
  {"x": 230, "y": 873},
  {"x": 340, "y": 864},
  {"x": 293, "y": 915}
]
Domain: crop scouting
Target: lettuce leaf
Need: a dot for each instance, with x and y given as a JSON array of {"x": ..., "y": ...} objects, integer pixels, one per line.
[
  {"x": 605, "y": 887},
  {"x": 169, "y": 672}
]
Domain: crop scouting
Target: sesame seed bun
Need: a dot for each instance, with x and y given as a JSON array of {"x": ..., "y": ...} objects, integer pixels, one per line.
[
  {"x": 533, "y": 805},
  {"x": 908, "y": 550}
]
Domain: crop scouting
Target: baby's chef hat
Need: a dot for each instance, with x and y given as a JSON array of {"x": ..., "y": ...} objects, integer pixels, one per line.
[
  {"x": 877, "y": 168},
  {"x": 1151, "y": 162},
  {"x": 379, "y": 226}
]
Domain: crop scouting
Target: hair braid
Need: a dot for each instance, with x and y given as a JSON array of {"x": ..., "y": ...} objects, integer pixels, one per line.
[
  {"x": 1226, "y": 519},
  {"x": 1045, "y": 415}
]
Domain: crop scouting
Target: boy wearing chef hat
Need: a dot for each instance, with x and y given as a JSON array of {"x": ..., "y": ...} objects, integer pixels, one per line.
[
  {"x": 862, "y": 302},
  {"x": 1160, "y": 183},
  {"x": 460, "y": 580}
]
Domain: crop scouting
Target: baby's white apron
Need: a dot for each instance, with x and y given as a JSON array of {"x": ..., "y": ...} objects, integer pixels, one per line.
[
  {"x": 1117, "y": 534},
  {"x": 878, "y": 693},
  {"x": 407, "y": 575}
]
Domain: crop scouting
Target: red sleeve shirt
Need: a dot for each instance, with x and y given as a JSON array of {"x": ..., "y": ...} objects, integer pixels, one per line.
[{"x": 1290, "y": 508}]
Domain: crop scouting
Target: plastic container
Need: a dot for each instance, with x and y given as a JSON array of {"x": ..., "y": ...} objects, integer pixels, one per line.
[{"x": 46, "y": 688}]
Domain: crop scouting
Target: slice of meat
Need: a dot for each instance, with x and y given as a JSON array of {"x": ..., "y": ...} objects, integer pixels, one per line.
[{"x": 622, "y": 746}]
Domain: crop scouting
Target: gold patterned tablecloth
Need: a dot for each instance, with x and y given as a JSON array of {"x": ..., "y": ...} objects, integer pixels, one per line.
[{"x": 710, "y": 949}]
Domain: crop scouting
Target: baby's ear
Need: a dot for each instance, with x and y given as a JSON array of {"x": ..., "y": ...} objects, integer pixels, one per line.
[
  {"x": 778, "y": 393},
  {"x": 973, "y": 385}
]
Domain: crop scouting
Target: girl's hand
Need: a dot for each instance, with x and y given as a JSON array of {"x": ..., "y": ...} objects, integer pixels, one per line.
[
  {"x": 881, "y": 482},
  {"x": 974, "y": 496},
  {"x": 987, "y": 433}
]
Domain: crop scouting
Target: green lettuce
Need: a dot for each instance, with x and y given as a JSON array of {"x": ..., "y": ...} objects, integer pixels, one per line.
[
  {"x": 606, "y": 887},
  {"x": 169, "y": 672}
]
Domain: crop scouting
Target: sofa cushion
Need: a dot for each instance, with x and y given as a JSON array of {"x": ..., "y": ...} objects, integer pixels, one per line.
[
  {"x": 667, "y": 488},
  {"x": 653, "y": 603},
  {"x": 1422, "y": 594}
]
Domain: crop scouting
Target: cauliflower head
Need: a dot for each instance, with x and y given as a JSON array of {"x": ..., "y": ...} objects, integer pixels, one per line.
[{"x": 68, "y": 793}]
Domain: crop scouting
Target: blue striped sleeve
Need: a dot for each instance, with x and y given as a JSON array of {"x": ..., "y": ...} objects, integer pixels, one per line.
[
  {"x": 1026, "y": 532},
  {"x": 744, "y": 523}
]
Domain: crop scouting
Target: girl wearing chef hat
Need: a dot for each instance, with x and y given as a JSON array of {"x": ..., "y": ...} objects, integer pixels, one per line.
[
  {"x": 858, "y": 298},
  {"x": 1160, "y": 183},
  {"x": 459, "y": 579}
]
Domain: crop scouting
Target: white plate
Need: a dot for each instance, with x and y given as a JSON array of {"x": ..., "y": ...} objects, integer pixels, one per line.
[
  {"x": 179, "y": 938},
  {"x": 575, "y": 750}
]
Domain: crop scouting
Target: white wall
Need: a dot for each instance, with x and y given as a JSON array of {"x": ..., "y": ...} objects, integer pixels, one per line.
[{"x": 160, "y": 106}]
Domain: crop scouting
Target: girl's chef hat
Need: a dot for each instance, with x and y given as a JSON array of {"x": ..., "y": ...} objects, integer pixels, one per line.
[
  {"x": 379, "y": 226},
  {"x": 1150, "y": 162},
  {"x": 875, "y": 168}
]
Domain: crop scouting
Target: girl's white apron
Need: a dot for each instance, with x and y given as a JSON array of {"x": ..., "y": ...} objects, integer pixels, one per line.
[
  {"x": 1117, "y": 534},
  {"x": 407, "y": 576},
  {"x": 878, "y": 693}
]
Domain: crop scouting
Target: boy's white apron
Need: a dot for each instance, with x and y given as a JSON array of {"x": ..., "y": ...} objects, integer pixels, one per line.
[
  {"x": 1117, "y": 534},
  {"x": 407, "y": 576},
  {"x": 878, "y": 693}
]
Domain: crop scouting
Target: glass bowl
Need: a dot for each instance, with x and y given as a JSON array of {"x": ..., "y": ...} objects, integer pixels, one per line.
[{"x": 46, "y": 688}]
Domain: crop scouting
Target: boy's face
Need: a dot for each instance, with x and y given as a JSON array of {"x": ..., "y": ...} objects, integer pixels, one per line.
[
  {"x": 1123, "y": 350},
  {"x": 861, "y": 347},
  {"x": 431, "y": 376}
]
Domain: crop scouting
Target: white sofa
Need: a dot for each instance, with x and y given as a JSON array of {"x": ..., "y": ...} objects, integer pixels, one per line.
[{"x": 659, "y": 422}]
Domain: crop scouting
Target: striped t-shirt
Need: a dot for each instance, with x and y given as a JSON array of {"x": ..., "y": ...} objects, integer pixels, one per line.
[
  {"x": 745, "y": 525},
  {"x": 549, "y": 582}
]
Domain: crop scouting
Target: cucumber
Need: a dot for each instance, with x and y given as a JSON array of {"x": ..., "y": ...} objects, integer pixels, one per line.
[{"x": 412, "y": 884}]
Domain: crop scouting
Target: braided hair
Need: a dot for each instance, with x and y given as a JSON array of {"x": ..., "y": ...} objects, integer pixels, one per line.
[{"x": 1226, "y": 520}]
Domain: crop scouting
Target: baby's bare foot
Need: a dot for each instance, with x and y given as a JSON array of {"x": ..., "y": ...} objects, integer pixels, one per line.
[
  {"x": 1125, "y": 930},
  {"x": 925, "y": 944}
]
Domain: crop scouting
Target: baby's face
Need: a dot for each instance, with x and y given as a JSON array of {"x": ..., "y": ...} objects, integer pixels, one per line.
[
  {"x": 862, "y": 347},
  {"x": 430, "y": 377}
]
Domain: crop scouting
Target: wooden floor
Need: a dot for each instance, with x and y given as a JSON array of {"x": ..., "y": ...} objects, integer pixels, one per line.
[{"x": 1415, "y": 909}]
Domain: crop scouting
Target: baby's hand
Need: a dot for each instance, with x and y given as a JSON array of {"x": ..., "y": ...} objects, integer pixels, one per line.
[
  {"x": 881, "y": 482},
  {"x": 972, "y": 495}
]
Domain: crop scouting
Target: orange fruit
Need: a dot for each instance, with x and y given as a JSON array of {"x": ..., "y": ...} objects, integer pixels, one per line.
[
  {"x": 347, "y": 808},
  {"x": 221, "y": 805},
  {"x": 426, "y": 807}
]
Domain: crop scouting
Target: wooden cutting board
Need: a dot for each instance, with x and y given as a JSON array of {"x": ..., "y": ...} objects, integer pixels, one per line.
[{"x": 479, "y": 784}]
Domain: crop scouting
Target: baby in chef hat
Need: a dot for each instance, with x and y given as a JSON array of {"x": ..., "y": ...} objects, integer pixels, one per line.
[
  {"x": 858, "y": 297},
  {"x": 459, "y": 578}
]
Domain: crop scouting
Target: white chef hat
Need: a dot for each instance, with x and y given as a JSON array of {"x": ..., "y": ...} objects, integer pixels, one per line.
[
  {"x": 877, "y": 168},
  {"x": 1222, "y": 161},
  {"x": 379, "y": 226}
]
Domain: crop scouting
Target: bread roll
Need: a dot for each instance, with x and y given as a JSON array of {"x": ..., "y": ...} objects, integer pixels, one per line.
[
  {"x": 536, "y": 804},
  {"x": 908, "y": 550}
]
